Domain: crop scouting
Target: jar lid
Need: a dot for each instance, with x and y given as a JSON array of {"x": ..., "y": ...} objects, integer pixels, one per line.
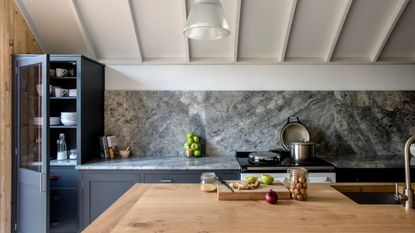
[
  {"x": 297, "y": 170},
  {"x": 207, "y": 175}
]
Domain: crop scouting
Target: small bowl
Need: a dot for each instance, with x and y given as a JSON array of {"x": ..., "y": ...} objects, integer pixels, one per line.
[{"x": 124, "y": 153}]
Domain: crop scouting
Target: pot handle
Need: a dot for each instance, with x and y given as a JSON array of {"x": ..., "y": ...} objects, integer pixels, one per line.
[{"x": 296, "y": 119}]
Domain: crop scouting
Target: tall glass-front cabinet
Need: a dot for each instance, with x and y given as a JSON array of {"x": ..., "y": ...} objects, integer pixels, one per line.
[{"x": 54, "y": 96}]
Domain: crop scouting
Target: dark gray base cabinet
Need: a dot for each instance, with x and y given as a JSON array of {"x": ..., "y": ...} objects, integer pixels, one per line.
[
  {"x": 65, "y": 193},
  {"x": 102, "y": 188}
]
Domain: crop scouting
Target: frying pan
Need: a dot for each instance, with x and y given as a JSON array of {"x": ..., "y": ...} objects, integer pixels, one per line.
[{"x": 293, "y": 131}]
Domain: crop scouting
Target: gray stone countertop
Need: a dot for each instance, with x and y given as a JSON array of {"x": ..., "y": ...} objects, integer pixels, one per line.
[
  {"x": 68, "y": 162},
  {"x": 164, "y": 163},
  {"x": 367, "y": 161}
]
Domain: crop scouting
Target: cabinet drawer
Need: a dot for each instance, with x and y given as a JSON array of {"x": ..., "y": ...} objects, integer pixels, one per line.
[
  {"x": 172, "y": 178},
  {"x": 64, "y": 179}
]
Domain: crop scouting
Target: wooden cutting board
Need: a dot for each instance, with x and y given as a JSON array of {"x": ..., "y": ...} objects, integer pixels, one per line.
[{"x": 254, "y": 194}]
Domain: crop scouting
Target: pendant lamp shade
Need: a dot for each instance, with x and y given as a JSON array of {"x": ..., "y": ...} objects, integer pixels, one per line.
[{"x": 206, "y": 21}]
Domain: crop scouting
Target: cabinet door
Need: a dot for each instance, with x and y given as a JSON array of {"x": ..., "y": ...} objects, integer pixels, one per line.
[
  {"x": 101, "y": 190},
  {"x": 31, "y": 127}
]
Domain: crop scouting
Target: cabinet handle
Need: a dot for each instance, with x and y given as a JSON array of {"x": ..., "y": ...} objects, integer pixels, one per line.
[
  {"x": 166, "y": 181},
  {"x": 54, "y": 177}
]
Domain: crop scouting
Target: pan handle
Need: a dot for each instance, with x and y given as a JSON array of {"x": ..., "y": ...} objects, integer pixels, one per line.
[{"x": 296, "y": 120}]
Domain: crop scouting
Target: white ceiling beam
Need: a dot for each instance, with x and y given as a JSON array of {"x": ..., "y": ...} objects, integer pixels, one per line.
[
  {"x": 31, "y": 26},
  {"x": 185, "y": 39},
  {"x": 390, "y": 25},
  {"x": 82, "y": 28},
  {"x": 137, "y": 37},
  {"x": 288, "y": 30},
  {"x": 236, "y": 36},
  {"x": 338, "y": 30}
]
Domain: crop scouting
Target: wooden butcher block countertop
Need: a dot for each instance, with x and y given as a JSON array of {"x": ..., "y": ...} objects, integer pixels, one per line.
[{"x": 185, "y": 208}]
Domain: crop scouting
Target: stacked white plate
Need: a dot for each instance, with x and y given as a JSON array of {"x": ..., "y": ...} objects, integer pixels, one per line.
[
  {"x": 72, "y": 92},
  {"x": 52, "y": 120},
  {"x": 69, "y": 118}
]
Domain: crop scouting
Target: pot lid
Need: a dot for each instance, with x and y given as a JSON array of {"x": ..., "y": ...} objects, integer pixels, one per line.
[
  {"x": 264, "y": 156},
  {"x": 303, "y": 143}
]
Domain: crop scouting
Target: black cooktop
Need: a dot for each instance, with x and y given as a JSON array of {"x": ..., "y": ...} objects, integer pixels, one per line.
[{"x": 286, "y": 162}]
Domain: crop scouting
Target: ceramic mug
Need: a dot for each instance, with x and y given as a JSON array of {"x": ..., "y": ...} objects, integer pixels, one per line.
[
  {"x": 39, "y": 89},
  {"x": 60, "y": 72},
  {"x": 59, "y": 92},
  {"x": 52, "y": 73}
]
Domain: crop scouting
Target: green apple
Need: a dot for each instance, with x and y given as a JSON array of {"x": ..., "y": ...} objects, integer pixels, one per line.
[
  {"x": 186, "y": 146},
  {"x": 251, "y": 179},
  {"x": 190, "y": 141},
  {"x": 267, "y": 179},
  {"x": 195, "y": 146},
  {"x": 197, "y": 153},
  {"x": 190, "y": 135},
  {"x": 196, "y": 139}
]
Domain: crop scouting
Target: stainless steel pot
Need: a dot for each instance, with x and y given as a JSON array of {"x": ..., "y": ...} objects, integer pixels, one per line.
[{"x": 302, "y": 151}]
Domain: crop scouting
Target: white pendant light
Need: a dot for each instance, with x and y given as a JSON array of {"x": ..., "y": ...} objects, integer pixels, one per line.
[{"x": 206, "y": 21}]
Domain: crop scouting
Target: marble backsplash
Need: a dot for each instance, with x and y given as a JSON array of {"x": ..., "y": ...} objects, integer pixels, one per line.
[{"x": 370, "y": 124}]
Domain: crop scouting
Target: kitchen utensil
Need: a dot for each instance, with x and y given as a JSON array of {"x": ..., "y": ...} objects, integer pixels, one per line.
[
  {"x": 293, "y": 131},
  {"x": 52, "y": 121},
  {"x": 60, "y": 72},
  {"x": 226, "y": 184},
  {"x": 72, "y": 154},
  {"x": 124, "y": 153},
  {"x": 264, "y": 157},
  {"x": 39, "y": 89},
  {"x": 255, "y": 194},
  {"x": 72, "y": 92},
  {"x": 69, "y": 118},
  {"x": 302, "y": 151},
  {"x": 59, "y": 92},
  {"x": 52, "y": 73}
]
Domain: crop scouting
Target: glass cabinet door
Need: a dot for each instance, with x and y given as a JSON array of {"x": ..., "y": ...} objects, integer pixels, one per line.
[{"x": 31, "y": 109}]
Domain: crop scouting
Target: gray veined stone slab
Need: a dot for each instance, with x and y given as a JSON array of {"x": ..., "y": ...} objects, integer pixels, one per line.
[{"x": 345, "y": 124}]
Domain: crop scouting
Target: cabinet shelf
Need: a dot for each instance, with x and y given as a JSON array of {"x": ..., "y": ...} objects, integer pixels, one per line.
[
  {"x": 62, "y": 78},
  {"x": 63, "y": 127},
  {"x": 63, "y": 98}
]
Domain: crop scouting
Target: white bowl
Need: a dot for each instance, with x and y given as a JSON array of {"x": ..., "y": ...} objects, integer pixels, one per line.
[
  {"x": 69, "y": 113},
  {"x": 124, "y": 153},
  {"x": 68, "y": 122},
  {"x": 69, "y": 118}
]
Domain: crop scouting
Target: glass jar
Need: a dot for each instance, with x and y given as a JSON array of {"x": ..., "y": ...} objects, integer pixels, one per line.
[
  {"x": 208, "y": 182},
  {"x": 298, "y": 183},
  {"x": 61, "y": 148}
]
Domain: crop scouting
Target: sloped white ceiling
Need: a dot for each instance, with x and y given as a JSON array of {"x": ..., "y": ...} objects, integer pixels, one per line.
[{"x": 262, "y": 31}]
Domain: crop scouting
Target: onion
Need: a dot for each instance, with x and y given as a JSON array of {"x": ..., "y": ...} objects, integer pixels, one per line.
[{"x": 271, "y": 197}]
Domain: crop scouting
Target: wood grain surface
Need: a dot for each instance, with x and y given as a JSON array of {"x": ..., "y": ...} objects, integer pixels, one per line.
[
  {"x": 224, "y": 193},
  {"x": 15, "y": 37},
  {"x": 185, "y": 208}
]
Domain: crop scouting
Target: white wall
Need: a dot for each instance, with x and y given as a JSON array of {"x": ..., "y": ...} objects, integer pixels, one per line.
[{"x": 260, "y": 77}]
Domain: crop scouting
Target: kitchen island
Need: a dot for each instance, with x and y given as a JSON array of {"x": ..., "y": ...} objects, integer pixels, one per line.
[{"x": 185, "y": 208}]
